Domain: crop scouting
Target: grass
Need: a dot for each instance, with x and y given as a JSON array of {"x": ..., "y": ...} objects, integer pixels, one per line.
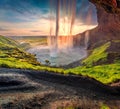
[
  {"x": 104, "y": 107},
  {"x": 73, "y": 107},
  {"x": 7, "y": 41},
  {"x": 103, "y": 73},
  {"x": 70, "y": 107},
  {"x": 98, "y": 55},
  {"x": 12, "y": 56}
]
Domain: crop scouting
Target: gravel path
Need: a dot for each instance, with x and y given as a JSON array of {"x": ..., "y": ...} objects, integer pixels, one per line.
[
  {"x": 29, "y": 78},
  {"x": 54, "y": 86}
]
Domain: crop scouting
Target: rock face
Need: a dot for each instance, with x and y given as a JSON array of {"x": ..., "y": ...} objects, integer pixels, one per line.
[
  {"x": 108, "y": 14},
  {"x": 111, "y": 6}
]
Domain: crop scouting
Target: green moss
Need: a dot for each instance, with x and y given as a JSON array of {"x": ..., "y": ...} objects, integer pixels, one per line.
[
  {"x": 104, "y": 107},
  {"x": 103, "y": 73},
  {"x": 98, "y": 55}
]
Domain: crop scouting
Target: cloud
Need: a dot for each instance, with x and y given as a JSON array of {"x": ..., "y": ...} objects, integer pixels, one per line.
[
  {"x": 36, "y": 31},
  {"x": 20, "y": 17},
  {"x": 31, "y": 10},
  {"x": 86, "y": 10},
  {"x": 26, "y": 7},
  {"x": 22, "y": 10},
  {"x": 3, "y": 29}
]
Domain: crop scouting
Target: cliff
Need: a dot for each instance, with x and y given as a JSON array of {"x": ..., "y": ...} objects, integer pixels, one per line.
[
  {"x": 108, "y": 29},
  {"x": 111, "y": 6}
]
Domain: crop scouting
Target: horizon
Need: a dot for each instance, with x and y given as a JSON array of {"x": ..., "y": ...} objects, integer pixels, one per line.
[{"x": 32, "y": 18}]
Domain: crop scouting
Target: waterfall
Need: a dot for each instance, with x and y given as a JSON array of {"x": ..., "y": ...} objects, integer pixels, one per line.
[
  {"x": 65, "y": 18},
  {"x": 86, "y": 40}
]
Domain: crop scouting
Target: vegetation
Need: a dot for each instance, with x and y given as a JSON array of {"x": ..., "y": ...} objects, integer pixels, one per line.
[
  {"x": 103, "y": 73},
  {"x": 12, "y": 56},
  {"x": 98, "y": 55},
  {"x": 104, "y": 107},
  {"x": 7, "y": 41},
  {"x": 68, "y": 108},
  {"x": 47, "y": 62},
  {"x": 73, "y": 107}
]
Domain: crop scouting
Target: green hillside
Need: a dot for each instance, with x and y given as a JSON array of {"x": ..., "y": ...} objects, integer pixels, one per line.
[
  {"x": 7, "y": 41},
  {"x": 96, "y": 65},
  {"x": 13, "y": 56},
  {"x": 103, "y": 63},
  {"x": 99, "y": 54}
]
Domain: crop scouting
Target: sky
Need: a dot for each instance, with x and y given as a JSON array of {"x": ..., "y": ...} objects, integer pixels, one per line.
[{"x": 32, "y": 17}]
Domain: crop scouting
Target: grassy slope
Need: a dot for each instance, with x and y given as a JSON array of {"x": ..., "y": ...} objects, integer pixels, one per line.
[
  {"x": 103, "y": 73},
  {"x": 13, "y": 57},
  {"x": 98, "y": 54},
  {"x": 106, "y": 73},
  {"x": 8, "y": 41}
]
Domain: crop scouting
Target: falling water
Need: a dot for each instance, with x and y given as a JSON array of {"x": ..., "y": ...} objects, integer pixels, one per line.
[
  {"x": 88, "y": 22},
  {"x": 62, "y": 27},
  {"x": 86, "y": 39},
  {"x": 55, "y": 48},
  {"x": 73, "y": 13},
  {"x": 65, "y": 10}
]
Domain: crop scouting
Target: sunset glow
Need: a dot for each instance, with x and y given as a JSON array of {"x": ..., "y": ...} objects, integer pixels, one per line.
[
  {"x": 41, "y": 28},
  {"x": 23, "y": 18}
]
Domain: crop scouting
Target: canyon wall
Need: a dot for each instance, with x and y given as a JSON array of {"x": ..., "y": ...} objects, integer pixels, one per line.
[{"x": 108, "y": 29}]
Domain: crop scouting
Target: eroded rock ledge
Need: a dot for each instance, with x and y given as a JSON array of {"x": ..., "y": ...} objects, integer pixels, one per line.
[{"x": 108, "y": 14}]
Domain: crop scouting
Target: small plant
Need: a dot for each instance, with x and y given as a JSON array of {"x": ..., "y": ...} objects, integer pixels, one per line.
[
  {"x": 104, "y": 107},
  {"x": 68, "y": 108},
  {"x": 47, "y": 62}
]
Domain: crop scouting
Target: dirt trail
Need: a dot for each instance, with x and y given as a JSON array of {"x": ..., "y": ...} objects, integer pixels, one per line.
[
  {"x": 49, "y": 87},
  {"x": 17, "y": 78}
]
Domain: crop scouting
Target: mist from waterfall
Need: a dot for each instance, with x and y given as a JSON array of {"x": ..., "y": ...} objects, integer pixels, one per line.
[
  {"x": 65, "y": 11},
  {"x": 66, "y": 20}
]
